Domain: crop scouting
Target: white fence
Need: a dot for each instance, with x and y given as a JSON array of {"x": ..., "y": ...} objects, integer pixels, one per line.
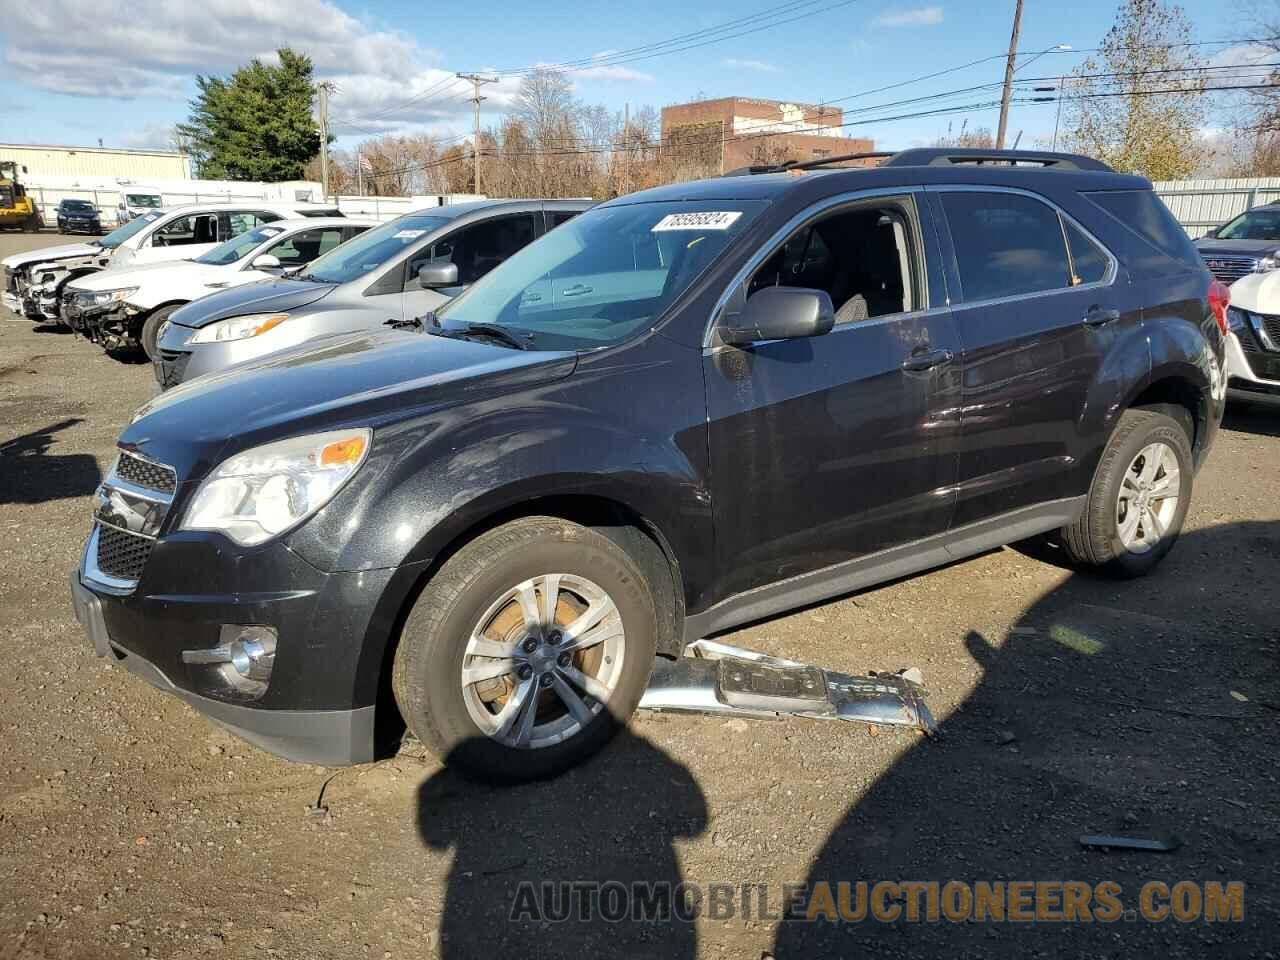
[{"x": 1201, "y": 204}]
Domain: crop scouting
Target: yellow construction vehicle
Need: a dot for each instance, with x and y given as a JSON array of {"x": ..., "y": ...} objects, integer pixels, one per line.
[{"x": 16, "y": 208}]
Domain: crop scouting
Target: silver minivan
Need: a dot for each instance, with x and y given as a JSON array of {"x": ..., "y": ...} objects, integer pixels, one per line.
[{"x": 388, "y": 276}]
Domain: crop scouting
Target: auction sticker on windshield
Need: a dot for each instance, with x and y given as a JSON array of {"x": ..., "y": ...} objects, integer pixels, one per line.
[
  {"x": 707, "y": 220},
  {"x": 408, "y": 234}
]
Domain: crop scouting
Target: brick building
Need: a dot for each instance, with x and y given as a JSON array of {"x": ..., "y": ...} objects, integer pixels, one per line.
[{"x": 738, "y": 131}]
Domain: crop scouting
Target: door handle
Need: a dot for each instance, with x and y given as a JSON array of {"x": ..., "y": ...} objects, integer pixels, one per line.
[
  {"x": 1097, "y": 316},
  {"x": 927, "y": 360},
  {"x": 577, "y": 290}
]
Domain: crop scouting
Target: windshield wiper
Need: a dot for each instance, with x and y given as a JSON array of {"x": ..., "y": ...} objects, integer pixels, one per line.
[{"x": 490, "y": 331}]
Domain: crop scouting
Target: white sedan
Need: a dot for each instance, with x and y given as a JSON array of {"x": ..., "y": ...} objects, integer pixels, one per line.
[{"x": 127, "y": 306}]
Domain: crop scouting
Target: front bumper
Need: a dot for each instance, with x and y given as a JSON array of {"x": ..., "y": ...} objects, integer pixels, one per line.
[
  {"x": 333, "y": 630},
  {"x": 80, "y": 226},
  {"x": 1253, "y": 371}
]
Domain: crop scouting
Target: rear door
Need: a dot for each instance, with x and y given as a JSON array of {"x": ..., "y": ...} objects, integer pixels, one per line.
[
  {"x": 836, "y": 447},
  {"x": 1038, "y": 301}
]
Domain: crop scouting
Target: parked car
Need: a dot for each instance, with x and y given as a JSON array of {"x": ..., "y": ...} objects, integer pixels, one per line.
[
  {"x": 686, "y": 409},
  {"x": 78, "y": 215},
  {"x": 1248, "y": 244},
  {"x": 1253, "y": 345},
  {"x": 33, "y": 280},
  {"x": 391, "y": 275},
  {"x": 134, "y": 204},
  {"x": 129, "y": 306}
]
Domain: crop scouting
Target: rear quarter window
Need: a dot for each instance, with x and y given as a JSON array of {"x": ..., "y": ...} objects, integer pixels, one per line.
[{"x": 1145, "y": 214}]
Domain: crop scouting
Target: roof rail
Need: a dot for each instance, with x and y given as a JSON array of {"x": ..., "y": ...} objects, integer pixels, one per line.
[
  {"x": 809, "y": 164},
  {"x": 947, "y": 156}
]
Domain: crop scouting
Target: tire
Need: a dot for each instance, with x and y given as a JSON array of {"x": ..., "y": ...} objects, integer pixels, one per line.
[
  {"x": 150, "y": 332},
  {"x": 470, "y": 594},
  {"x": 1105, "y": 537}
]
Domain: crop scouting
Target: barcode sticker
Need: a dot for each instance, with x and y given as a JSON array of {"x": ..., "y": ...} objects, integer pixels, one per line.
[
  {"x": 709, "y": 220},
  {"x": 408, "y": 234}
]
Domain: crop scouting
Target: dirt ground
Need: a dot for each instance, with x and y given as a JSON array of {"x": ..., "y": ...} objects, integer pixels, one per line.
[{"x": 131, "y": 827}]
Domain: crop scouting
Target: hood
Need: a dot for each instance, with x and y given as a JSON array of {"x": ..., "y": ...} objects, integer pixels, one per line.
[
  {"x": 1257, "y": 293},
  {"x": 359, "y": 379},
  {"x": 133, "y": 276},
  {"x": 45, "y": 254},
  {"x": 265, "y": 296},
  {"x": 1243, "y": 248}
]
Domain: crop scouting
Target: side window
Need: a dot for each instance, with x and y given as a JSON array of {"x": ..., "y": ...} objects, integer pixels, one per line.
[
  {"x": 1088, "y": 261},
  {"x": 199, "y": 228},
  {"x": 476, "y": 249},
  {"x": 861, "y": 256},
  {"x": 303, "y": 247},
  {"x": 1145, "y": 214},
  {"x": 557, "y": 217},
  {"x": 1006, "y": 245}
]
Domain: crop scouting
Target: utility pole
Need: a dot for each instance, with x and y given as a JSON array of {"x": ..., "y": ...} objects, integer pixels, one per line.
[
  {"x": 323, "y": 90},
  {"x": 1008, "y": 76},
  {"x": 476, "y": 81},
  {"x": 359, "y": 174}
]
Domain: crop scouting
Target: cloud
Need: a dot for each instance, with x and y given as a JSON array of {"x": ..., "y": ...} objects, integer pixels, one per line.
[
  {"x": 760, "y": 66},
  {"x": 151, "y": 136},
  {"x": 1242, "y": 55},
  {"x": 917, "y": 17}
]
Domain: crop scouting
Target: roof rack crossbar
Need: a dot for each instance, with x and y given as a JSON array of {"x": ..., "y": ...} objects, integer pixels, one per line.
[{"x": 948, "y": 156}]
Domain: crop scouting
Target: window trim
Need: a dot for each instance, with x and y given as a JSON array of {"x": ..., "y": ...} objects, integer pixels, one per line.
[
  {"x": 813, "y": 212},
  {"x": 961, "y": 302}
]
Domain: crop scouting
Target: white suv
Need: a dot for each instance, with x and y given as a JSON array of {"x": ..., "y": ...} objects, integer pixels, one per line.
[
  {"x": 33, "y": 281},
  {"x": 125, "y": 307},
  {"x": 1253, "y": 344}
]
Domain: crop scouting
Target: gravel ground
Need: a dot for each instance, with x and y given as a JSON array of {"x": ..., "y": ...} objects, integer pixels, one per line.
[{"x": 131, "y": 827}]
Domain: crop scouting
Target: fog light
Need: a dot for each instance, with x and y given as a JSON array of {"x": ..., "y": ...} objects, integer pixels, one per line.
[{"x": 240, "y": 665}]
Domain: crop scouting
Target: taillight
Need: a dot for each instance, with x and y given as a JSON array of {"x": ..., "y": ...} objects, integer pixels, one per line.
[{"x": 1219, "y": 298}]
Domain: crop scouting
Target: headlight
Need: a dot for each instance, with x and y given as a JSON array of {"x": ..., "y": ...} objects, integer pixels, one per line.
[
  {"x": 1237, "y": 319},
  {"x": 239, "y": 328},
  {"x": 97, "y": 299},
  {"x": 1270, "y": 262},
  {"x": 262, "y": 492}
]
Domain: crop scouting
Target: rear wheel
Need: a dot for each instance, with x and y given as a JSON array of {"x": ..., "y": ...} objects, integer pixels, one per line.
[
  {"x": 527, "y": 651},
  {"x": 150, "y": 333},
  {"x": 1140, "y": 496}
]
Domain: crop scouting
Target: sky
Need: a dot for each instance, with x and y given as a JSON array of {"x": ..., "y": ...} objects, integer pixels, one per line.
[{"x": 73, "y": 71}]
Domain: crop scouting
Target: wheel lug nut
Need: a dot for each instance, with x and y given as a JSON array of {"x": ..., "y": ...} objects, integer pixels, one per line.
[
  {"x": 563, "y": 659},
  {"x": 530, "y": 645},
  {"x": 525, "y": 672},
  {"x": 555, "y": 637},
  {"x": 545, "y": 680}
]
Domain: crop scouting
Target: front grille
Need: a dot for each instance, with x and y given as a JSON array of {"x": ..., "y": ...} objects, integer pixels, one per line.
[
  {"x": 1230, "y": 269},
  {"x": 144, "y": 473},
  {"x": 121, "y": 555},
  {"x": 1272, "y": 326}
]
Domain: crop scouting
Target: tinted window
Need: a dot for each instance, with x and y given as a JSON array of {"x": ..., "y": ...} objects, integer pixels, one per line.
[
  {"x": 1145, "y": 214},
  {"x": 371, "y": 250},
  {"x": 1006, "y": 245},
  {"x": 1260, "y": 224},
  {"x": 196, "y": 229},
  {"x": 302, "y": 248},
  {"x": 557, "y": 217},
  {"x": 1089, "y": 262},
  {"x": 479, "y": 248},
  {"x": 78, "y": 206}
]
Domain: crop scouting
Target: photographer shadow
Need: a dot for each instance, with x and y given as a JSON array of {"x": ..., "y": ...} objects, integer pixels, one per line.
[
  {"x": 1147, "y": 709},
  {"x": 612, "y": 820}
]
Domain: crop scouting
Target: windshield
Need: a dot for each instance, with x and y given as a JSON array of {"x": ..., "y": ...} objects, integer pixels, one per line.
[
  {"x": 371, "y": 249},
  {"x": 120, "y": 234},
  {"x": 142, "y": 200},
  {"x": 77, "y": 205},
  {"x": 604, "y": 275},
  {"x": 1262, "y": 224},
  {"x": 238, "y": 247}
]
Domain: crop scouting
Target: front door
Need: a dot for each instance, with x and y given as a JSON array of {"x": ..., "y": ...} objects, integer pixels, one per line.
[
  {"x": 836, "y": 447},
  {"x": 1037, "y": 302}
]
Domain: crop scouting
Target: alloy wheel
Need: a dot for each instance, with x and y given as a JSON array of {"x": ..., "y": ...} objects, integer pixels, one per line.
[{"x": 1149, "y": 495}]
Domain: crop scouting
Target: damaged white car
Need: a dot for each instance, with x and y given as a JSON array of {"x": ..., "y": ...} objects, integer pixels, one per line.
[
  {"x": 1253, "y": 343},
  {"x": 125, "y": 308},
  {"x": 34, "y": 280}
]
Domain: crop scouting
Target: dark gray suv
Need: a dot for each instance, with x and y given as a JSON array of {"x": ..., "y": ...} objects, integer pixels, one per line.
[{"x": 684, "y": 410}]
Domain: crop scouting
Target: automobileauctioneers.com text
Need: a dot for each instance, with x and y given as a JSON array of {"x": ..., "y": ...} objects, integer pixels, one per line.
[{"x": 885, "y": 901}]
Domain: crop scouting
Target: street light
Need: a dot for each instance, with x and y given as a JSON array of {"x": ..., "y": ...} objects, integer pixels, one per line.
[{"x": 1058, "y": 48}]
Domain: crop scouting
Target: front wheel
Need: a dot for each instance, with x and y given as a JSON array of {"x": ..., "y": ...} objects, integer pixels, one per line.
[
  {"x": 526, "y": 651},
  {"x": 150, "y": 333},
  {"x": 1139, "y": 498}
]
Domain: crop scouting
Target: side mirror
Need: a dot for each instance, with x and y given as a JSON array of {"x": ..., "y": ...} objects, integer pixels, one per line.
[
  {"x": 432, "y": 275},
  {"x": 265, "y": 261},
  {"x": 780, "y": 313}
]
